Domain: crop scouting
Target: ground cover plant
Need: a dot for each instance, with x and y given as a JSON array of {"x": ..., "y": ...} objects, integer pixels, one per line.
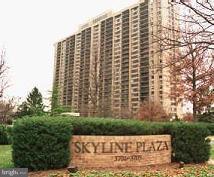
[
  {"x": 151, "y": 171},
  {"x": 186, "y": 172}
]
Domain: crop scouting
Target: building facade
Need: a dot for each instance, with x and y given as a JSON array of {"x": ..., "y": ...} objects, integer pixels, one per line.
[{"x": 112, "y": 64}]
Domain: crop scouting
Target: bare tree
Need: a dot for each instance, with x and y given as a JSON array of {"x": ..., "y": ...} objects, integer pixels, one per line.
[
  {"x": 195, "y": 20},
  {"x": 3, "y": 73},
  {"x": 197, "y": 15},
  {"x": 151, "y": 111},
  {"x": 94, "y": 86},
  {"x": 193, "y": 68},
  {"x": 7, "y": 108},
  {"x": 202, "y": 8},
  {"x": 192, "y": 44}
]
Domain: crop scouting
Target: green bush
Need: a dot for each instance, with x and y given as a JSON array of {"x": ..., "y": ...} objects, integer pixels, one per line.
[
  {"x": 206, "y": 117},
  {"x": 9, "y": 133},
  {"x": 41, "y": 143},
  {"x": 3, "y": 135},
  {"x": 211, "y": 128},
  {"x": 107, "y": 126},
  {"x": 189, "y": 142}
]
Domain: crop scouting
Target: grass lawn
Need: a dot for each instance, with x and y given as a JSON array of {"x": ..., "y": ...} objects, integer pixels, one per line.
[
  {"x": 212, "y": 152},
  {"x": 6, "y": 156}
]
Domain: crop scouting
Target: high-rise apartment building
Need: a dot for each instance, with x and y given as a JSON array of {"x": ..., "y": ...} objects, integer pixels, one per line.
[{"x": 112, "y": 64}]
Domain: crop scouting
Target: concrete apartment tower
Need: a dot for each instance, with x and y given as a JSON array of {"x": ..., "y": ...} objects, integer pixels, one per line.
[{"x": 111, "y": 64}]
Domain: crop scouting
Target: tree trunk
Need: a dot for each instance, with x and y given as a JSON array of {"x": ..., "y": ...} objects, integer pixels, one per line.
[
  {"x": 194, "y": 110},
  {"x": 194, "y": 88}
]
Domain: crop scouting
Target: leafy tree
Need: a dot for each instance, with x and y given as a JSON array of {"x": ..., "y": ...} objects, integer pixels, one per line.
[
  {"x": 56, "y": 107},
  {"x": 54, "y": 99},
  {"x": 152, "y": 111},
  {"x": 22, "y": 110},
  {"x": 33, "y": 106},
  {"x": 195, "y": 73}
]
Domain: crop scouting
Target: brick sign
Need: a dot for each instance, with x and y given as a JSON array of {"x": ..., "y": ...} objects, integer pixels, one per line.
[{"x": 120, "y": 151}]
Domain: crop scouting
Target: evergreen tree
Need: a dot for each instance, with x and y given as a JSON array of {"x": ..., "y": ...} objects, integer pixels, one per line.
[
  {"x": 22, "y": 110},
  {"x": 33, "y": 106},
  {"x": 54, "y": 100},
  {"x": 56, "y": 107}
]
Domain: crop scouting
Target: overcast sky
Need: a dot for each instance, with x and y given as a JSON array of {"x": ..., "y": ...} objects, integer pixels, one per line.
[{"x": 28, "y": 30}]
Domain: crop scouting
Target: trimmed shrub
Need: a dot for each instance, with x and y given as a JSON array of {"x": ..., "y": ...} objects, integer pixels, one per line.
[
  {"x": 206, "y": 117},
  {"x": 104, "y": 126},
  {"x": 210, "y": 127},
  {"x": 3, "y": 135},
  {"x": 41, "y": 143},
  {"x": 189, "y": 142}
]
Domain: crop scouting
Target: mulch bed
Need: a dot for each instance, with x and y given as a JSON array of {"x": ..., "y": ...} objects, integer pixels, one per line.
[{"x": 168, "y": 169}]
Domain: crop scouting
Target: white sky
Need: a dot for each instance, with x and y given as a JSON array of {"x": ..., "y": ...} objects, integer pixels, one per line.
[{"x": 28, "y": 30}]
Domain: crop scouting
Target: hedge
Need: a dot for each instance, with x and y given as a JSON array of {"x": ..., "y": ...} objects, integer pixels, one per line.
[
  {"x": 189, "y": 142},
  {"x": 188, "y": 139},
  {"x": 206, "y": 117},
  {"x": 107, "y": 126},
  {"x": 43, "y": 143},
  {"x": 3, "y": 135},
  {"x": 210, "y": 126}
]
